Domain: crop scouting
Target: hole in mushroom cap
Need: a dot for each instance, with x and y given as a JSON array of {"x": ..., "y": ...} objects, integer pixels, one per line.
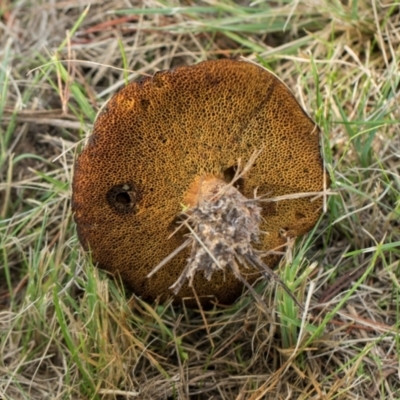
[
  {"x": 122, "y": 198},
  {"x": 229, "y": 174}
]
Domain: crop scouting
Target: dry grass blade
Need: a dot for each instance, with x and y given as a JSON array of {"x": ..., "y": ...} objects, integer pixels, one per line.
[
  {"x": 257, "y": 263},
  {"x": 170, "y": 257}
]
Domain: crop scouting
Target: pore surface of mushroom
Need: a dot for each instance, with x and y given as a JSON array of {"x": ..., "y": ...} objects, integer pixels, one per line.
[{"x": 158, "y": 140}]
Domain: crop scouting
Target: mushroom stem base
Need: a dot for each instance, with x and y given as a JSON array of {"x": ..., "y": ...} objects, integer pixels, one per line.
[{"x": 223, "y": 225}]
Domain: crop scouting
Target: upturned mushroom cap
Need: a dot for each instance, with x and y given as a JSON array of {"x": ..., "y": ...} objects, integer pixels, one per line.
[{"x": 156, "y": 137}]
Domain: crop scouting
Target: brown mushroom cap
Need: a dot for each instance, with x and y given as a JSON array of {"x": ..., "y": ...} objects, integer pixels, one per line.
[{"x": 155, "y": 137}]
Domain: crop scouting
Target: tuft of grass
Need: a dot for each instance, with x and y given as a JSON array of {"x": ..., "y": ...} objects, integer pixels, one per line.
[{"x": 68, "y": 331}]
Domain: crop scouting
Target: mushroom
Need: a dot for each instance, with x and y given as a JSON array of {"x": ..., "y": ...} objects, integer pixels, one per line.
[{"x": 167, "y": 151}]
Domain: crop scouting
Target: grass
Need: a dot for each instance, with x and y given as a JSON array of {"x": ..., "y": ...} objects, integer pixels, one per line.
[{"x": 69, "y": 332}]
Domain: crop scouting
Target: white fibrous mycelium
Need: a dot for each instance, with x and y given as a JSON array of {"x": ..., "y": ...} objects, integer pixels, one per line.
[{"x": 223, "y": 227}]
